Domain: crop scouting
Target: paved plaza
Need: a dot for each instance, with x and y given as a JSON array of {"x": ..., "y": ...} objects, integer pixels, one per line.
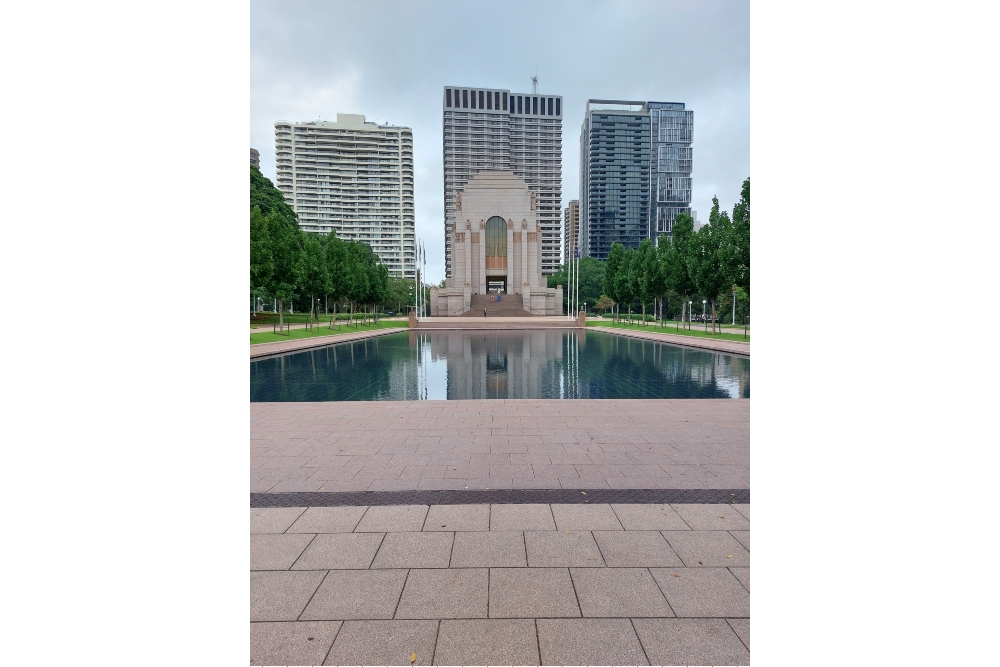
[
  {"x": 515, "y": 582},
  {"x": 510, "y": 584},
  {"x": 498, "y": 444}
]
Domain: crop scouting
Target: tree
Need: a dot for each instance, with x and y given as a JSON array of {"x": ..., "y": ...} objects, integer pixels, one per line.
[
  {"x": 674, "y": 258},
  {"x": 267, "y": 198},
  {"x": 736, "y": 250},
  {"x": 604, "y": 303},
  {"x": 261, "y": 263},
  {"x": 648, "y": 275},
  {"x": 314, "y": 276},
  {"x": 336, "y": 253},
  {"x": 627, "y": 280},
  {"x": 611, "y": 270},
  {"x": 705, "y": 259},
  {"x": 286, "y": 253}
]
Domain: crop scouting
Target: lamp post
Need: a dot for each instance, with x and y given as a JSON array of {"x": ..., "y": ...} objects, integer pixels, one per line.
[
  {"x": 703, "y": 319},
  {"x": 689, "y": 314}
]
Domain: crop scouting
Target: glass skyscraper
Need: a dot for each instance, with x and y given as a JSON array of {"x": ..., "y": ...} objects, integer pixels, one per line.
[{"x": 635, "y": 172}]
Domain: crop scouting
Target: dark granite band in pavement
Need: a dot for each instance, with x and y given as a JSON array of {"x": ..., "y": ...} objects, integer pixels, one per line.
[{"x": 502, "y": 496}]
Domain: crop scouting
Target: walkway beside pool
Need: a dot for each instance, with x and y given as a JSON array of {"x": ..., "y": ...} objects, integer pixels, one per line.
[
  {"x": 511, "y": 584},
  {"x": 500, "y": 444}
]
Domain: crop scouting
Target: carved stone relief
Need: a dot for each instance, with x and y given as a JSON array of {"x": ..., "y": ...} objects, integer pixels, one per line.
[
  {"x": 458, "y": 201},
  {"x": 532, "y": 237},
  {"x": 533, "y": 200},
  {"x": 510, "y": 224},
  {"x": 460, "y": 237},
  {"x": 524, "y": 224},
  {"x": 517, "y": 237},
  {"x": 475, "y": 237}
]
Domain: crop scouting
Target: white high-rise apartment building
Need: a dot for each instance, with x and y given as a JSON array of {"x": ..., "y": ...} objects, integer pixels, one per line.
[
  {"x": 354, "y": 177},
  {"x": 492, "y": 129}
]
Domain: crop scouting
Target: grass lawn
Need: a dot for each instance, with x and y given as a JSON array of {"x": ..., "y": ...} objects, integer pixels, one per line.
[
  {"x": 697, "y": 330},
  {"x": 322, "y": 330}
]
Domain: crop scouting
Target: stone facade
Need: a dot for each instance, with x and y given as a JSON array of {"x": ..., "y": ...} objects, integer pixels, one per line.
[{"x": 496, "y": 241}]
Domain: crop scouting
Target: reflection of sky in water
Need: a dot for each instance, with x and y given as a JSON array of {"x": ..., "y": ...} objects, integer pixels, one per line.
[{"x": 437, "y": 365}]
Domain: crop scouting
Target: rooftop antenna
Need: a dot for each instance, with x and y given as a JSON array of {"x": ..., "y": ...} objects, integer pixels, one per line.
[{"x": 534, "y": 83}]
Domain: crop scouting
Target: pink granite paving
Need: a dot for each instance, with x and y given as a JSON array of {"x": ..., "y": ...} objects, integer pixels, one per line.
[
  {"x": 501, "y": 585},
  {"x": 537, "y": 443}
]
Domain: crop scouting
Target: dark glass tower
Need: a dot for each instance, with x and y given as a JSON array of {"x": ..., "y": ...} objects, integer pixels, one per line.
[{"x": 635, "y": 172}]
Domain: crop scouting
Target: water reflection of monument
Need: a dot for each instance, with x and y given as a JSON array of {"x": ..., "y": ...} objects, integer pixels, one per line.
[{"x": 499, "y": 364}]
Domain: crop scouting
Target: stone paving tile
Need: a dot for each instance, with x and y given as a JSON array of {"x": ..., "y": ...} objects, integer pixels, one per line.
[
  {"x": 356, "y": 594},
  {"x": 328, "y": 520},
  {"x": 743, "y": 536},
  {"x": 585, "y": 517},
  {"x": 487, "y": 642},
  {"x": 403, "y": 550},
  {"x": 273, "y": 519},
  {"x": 707, "y": 548},
  {"x": 589, "y": 641},
  {"x": 597, "y": 471},
  {"x": 562, "y": 549},
  {"x": 392, "y": 518},
  {"x": 295, "y": 486},
  {"x": 743, "y": 574},
  {"x": 712, "y": 517},
  {"x": 583, "y": 483},
  {"x": 384, "y": 643},
  {"x": 394, "y": 485},
  {"x": 490, "y": 483},
  {"x": 703, "y": 592},
  {"x": 489, "y": 549},
  {"x": 340, "y": 551},
  {"x": 635, "y": 548},
  {"x": 458, "y": 517},
  {"x": 554, "y": 471},
  {"x": 648, "y": 517},
  {"x": 435, "y": 594},
  {"x": 281, "y": 596},
  {"x": 744, "y": 510},
  {"x": 536, "y": 483},
  {"x": 741, "y": 626},
  {"x": 691, "y": 641},
  {"x": 276, "y": 552},
  {"x": 542, "y": 592},
  {"x": 291, "y": 643},
  {"x": 478, "y": 470},
  {"x": 521, "y": 517},
  {"x": 618, "y": 592}
]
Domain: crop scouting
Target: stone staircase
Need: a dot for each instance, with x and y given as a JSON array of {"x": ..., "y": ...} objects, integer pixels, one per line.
[{"x": 512, "y": 305}]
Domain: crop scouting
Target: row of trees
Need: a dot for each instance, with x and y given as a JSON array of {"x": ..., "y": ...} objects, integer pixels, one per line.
[
  {"x": 711, "y": 262},
  {"x": 286, "y": 262}
]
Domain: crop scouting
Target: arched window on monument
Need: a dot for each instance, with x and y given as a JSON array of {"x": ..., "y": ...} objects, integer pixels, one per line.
[{"x": 496, "y": 243}]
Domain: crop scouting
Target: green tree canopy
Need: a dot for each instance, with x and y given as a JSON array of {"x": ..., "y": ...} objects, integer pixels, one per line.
[
  {"x": 315, "y": 277},
  {"x": 705, "y": 259},
  {"x": 267, "y": 198},
  {"x": 261, "y": 263},
  {"x": 616, "y": 257}
]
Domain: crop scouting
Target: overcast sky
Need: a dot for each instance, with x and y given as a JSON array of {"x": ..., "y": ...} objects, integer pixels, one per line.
[{"x": 391, "y": 60}]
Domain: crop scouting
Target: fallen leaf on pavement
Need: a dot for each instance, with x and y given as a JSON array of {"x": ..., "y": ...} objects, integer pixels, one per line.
[
  {"x": 413, "y": 658},
  {"x": 676, "y": 575},
  {"x": 729, "y": 556}
]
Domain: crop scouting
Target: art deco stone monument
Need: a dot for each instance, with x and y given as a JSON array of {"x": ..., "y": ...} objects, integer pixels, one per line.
[{"x": 496, "y": 248}]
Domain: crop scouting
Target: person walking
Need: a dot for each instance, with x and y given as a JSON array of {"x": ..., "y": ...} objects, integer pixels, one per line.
[{"x": 484, "y": 312}]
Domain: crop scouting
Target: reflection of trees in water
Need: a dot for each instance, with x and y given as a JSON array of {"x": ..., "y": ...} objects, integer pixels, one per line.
[
  {"x": 621, "y": 367},
  {"x": 499, "y": 364},
  {"x": 358, "y": 371}
]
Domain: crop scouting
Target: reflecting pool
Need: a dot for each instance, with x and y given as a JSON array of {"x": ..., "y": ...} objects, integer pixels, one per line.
[{"x": 455, "y": 365}]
